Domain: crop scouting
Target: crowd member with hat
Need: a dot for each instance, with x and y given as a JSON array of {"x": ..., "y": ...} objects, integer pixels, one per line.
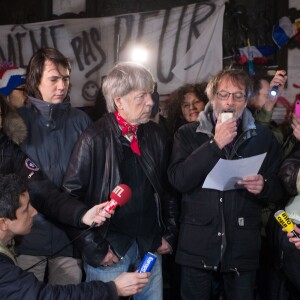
[{"x": 12, "y": 84}]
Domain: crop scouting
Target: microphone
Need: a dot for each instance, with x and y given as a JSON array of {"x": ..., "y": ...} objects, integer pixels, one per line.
[
  {"x": 275, "y": 88},
  {"x": 284, "y": 220},
  {"x": 119, "y": 196}
]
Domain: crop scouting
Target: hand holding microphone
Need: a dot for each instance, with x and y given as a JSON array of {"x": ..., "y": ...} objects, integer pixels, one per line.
[
  {"x": 96, "y": 215},
  {"x": 119, "y": 196},
  {"x": 286, "y": 223},
  {"x": 226, "y": 130}
]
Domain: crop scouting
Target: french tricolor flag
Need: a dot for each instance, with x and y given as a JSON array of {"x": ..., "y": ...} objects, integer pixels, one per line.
[{"x": 283, "y": 31}]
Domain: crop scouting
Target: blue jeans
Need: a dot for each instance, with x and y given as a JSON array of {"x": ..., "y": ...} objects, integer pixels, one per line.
[
  {"x": 131, "y": 261},
  {"x": 196, "y": 284}
]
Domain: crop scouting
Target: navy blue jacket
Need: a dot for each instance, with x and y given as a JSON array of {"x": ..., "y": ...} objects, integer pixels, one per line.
[
  {"x": 53, "y": 130},
  {"x": 16, "y": 284}
]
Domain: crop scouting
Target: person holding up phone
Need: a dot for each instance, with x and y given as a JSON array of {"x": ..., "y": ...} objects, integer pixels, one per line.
[{"x": 262, "y": 104}]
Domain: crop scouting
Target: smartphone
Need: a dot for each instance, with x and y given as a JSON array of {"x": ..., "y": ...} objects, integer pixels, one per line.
[{"x": 297, "y": 108}]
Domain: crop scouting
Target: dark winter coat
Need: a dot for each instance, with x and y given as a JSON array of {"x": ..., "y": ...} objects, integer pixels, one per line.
[
  {"x": 16, "y": 284},
  {"x": 44, "y": 195},
  {"x": 221, "y": 227},
  {"x": 54, "y": 129}
]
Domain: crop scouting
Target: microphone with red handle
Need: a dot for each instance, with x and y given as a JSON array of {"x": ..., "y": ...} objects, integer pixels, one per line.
[{"x": 119, "y": 196}]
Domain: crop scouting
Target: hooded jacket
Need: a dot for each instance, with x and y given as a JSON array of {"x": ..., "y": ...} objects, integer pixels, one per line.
[
  {"x": 54, "y": 129},
  {"x": 94, "y": 171},
  {"x": 44, "y": 195},
  {"x": 221, "y": 228}
]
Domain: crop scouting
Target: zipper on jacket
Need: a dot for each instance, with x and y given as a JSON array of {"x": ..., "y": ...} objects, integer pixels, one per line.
[
  {"x": 236, "y": 145},
  {"x": 50, "y": 120},
  {"x": 157, "y": 200},
  {"x": 30, "y": 175},
  {"x": 235, "y": 270}
]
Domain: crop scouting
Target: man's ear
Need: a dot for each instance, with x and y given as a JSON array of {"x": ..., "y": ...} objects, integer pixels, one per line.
[
  {"x": 118, "y": 103},
  {"x": 3, "y": 224}
]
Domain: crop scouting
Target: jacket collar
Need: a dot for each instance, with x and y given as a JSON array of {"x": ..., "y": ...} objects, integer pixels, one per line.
[
  {"x": 206, "y": 126},
  {"x": 4, "y": 250},
  {"x": 49, "y": 111}
]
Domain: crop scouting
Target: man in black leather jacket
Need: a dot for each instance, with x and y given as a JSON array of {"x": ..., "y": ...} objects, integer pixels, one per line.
[
  {"x": 125, "y": 147},
  {"x": 220, "y": 230}
]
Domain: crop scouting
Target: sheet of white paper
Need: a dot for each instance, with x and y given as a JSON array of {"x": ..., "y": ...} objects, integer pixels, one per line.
[{"x": 226, "y": 173}]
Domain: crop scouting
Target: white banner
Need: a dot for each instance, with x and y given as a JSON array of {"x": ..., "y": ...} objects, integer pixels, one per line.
[{"x": 184, "y": 44}]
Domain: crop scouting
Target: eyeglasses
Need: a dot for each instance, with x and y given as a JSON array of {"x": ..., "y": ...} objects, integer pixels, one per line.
[
  {"x": 237, "y": 97},
  {"x": 19, "y": 89}
]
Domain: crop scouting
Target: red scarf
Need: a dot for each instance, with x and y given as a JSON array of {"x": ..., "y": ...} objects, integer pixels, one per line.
[{"x": 130, "y": 130}]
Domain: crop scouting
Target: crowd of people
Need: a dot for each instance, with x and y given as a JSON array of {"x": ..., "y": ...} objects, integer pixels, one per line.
[{"x": 59, "y": 166}]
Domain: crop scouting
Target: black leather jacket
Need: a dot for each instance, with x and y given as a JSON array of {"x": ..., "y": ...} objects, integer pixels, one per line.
[
  {"x": 94, "y": 171},
  {"x": 289, "y": 172}
]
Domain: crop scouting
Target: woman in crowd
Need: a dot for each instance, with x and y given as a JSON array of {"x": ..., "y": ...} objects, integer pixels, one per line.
[{"x": 185, "y": 105}]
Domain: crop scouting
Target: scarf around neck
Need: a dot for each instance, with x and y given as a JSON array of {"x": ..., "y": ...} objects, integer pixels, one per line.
[{"x": 129, "y": 130}]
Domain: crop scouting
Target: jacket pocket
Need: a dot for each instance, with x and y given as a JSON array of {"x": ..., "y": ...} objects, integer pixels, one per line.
[{"x": 196, "y": 213}]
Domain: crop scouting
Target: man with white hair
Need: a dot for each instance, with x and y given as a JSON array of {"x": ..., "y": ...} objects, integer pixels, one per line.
[{"x": 124, "y": 147}]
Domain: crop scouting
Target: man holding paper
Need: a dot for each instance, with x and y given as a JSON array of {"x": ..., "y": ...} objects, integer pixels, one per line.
[{"x": 220, "y": 229}]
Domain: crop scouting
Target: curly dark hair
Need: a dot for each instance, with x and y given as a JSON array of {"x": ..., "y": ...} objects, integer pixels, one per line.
[
  {"x": 11, "y": 187},
  {"x": 174, "y": 112}
]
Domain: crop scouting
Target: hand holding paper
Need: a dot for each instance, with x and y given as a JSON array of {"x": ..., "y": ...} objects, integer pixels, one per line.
[
  {"x": 236, "y": 174},
  {"x": 254, "y": 184}
]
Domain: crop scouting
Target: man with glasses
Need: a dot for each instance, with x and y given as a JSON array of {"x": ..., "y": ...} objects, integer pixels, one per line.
[{"x": 220, "y": 230}]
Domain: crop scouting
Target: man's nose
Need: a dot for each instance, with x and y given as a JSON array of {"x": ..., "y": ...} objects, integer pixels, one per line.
[
  {"x": 61, "y": 84},
  {"x": 33, "y": 211},
  {"x": 230, "y": 100},
  {"x": 149, "y": 100}
]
